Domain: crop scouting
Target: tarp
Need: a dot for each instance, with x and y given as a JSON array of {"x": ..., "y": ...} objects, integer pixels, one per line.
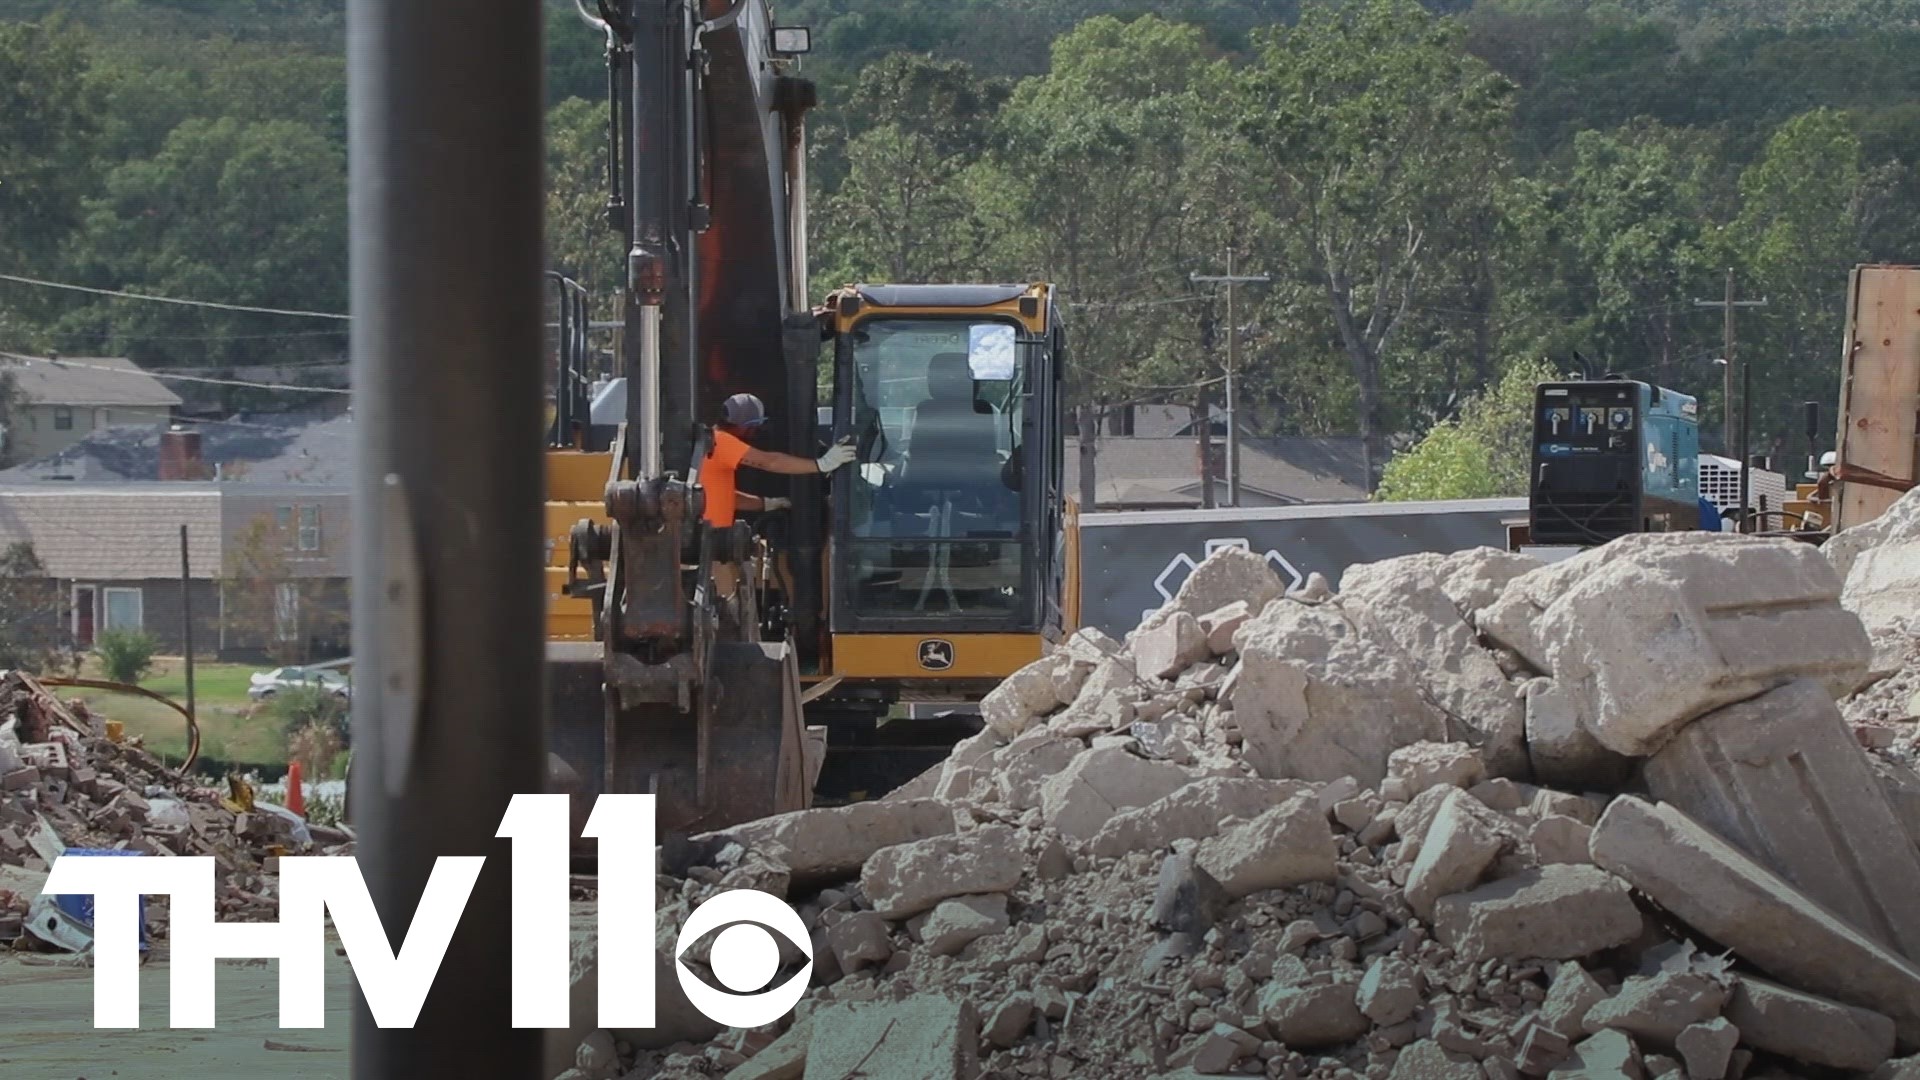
[{"x": 1131, "y": 563}]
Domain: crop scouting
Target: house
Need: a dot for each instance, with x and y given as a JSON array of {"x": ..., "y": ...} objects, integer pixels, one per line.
[
  {"x": 1148, "y": 458},
  {"x": 266, "y": 565},
  {"x": 63, "y": 400}
]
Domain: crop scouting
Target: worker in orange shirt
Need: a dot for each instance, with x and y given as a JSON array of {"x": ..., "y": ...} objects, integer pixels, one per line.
[{"x": 744, "y": 415}]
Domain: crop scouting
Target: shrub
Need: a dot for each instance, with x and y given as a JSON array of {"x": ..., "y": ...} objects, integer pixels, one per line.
[
  {"x": 300, "y": 707},
  {"x": 125, "y": 655}
]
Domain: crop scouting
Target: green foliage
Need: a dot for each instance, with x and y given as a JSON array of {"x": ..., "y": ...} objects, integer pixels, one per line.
[
  {"x": 1481, "y": 454},
  {"x": 300, "y": 708},
  {"x": 125, "y": 655}
]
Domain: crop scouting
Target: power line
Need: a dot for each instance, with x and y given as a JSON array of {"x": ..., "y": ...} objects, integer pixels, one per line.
[{"x": 122, "y": 295}]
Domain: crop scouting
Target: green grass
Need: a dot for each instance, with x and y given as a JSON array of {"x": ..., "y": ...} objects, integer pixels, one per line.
[{"x": 231, "y": 728}]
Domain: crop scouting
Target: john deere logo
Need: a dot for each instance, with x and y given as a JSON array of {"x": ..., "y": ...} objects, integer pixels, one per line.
[{"x": 936, "y": 655}]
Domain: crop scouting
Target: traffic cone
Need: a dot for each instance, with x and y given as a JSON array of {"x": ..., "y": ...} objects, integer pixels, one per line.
[{"x": 296, "y": 799}]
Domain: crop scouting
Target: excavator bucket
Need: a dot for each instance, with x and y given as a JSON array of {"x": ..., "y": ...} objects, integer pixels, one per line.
[{"x": 754, "y": 745}]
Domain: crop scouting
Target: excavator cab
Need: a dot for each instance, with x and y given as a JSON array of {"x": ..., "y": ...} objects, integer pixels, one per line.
[{"x": 945, "y": 562}]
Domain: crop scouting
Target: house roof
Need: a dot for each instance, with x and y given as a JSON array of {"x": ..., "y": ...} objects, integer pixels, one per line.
[
  {"x": 86, "y": 381},
  {"x": 263, "y": 449},
  {"x": 124, "y": 533},
  {"x": 1164, "y": 472}
]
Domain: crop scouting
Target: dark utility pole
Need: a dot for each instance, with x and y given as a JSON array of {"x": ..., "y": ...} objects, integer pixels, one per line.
[
  {"x": 1230, "y": 279},
  {"x": 1727, "y": 437},
  {"x": 445, "y": 174}
]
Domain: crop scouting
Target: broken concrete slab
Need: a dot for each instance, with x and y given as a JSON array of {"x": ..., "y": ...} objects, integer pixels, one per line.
[
  {"x": 860, "y": 940},
  {"x": 1010, "y": 1020},
  {"x": 1729, "y": 897},
  {"x": 1807, "y": 1028},
  {"x": 1187, "y": 899},
  {"x": 1458, "y": 847},
  {"x": 1288, "y": 845},
  {"x": 1555, "y": 913},
  {"x": 1227, "y": 575},
  {"x": 954, "y": 924},
  {"x": 1023, "y": 765},
  {"x": 1609, "y": 1055},
  {"x": 1309, "y": 1017},
  {"x": 1193, "y": 811},
  {"x": 1316, "y": 699},
  {"x": 1401, "y": 604},
  {"x": 1571, "y": 995},
  {"x": 785, "y": 1058},
  {"x": 1662, "y": 628},
  {"x": 1901, "y": 786},
  {"x": 1561, "y": 750},
  {"x": 1099, "y": 783},
  {"x": 906, "y": 879},
  {"x": 1221, "y": 625},
  {"x": 1557, "y": 838},
  {"x": 1391, "y": 991},
  {"x": 835, "y": 842},
  {"x": 1023, "y": 697},
  {"x": 1707, "y": 1048},
  {"x": 1424, "y": 765},
  {"x": 1428, "y": 1060},
  {"x": 1779, "y": 777},
  {"x": 924, "y": 1037},
  {"x": 1170, "y": 646},
  {"x": 1659, "y": 1007}
]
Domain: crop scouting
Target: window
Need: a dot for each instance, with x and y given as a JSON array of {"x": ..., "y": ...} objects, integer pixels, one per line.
[
  {"x": 935, "y": 511},
  {"x": 1120, "y": 421},
  {"x": 62, "y": 418},
  {"x": 309, "y": 528},
  {"x": 286, "y": 612},
  {"x": 122, "y": 609}
]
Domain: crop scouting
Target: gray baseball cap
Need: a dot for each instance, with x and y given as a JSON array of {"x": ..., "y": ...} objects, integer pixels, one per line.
[{"x": 745, "y": 410}]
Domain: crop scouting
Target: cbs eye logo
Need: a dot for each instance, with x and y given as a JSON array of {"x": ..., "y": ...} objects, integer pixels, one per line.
[{"x": 744, "y": 958}]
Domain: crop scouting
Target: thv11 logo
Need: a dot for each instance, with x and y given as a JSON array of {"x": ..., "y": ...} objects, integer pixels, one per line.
[{"x": 743, "y": 956}]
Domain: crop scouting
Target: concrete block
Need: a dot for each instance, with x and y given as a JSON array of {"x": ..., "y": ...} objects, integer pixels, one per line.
[
  {"x": 1555, "y": 913},
  {"x": 1170, "y": 646},
  {"x": 1227, "y": 575},
  {"x": 1316, "y": 699},
  {"x": 1026, "y": 695},
  {"x": 785, "y": 1058},
  {"x": 1571, "y": 995},
  {"x": 1729, "y": 897},
  {"x": 1458, "y": 848},
  {"x": 1020, "y": 767},
  {"x": 1807, "y": 1028},
  {"x": 1186, "y": 899},
  {"x": 860, "y": 940},
  {"x": 1391, "y": 991},
  {"x": 1221, "y": 625},
  {"x": 835, "y": 842},
  {"x": 924, "y": 1037},
  {"x": 1010, "y": 1020},
  {"x": 1425, "y": 764},
  {"x": 1667, "y": 627},
  {"x": 1560, "y": 839},
  {"x": 1100, "y": 783},
  {"x": 1780, "y": 778},
  {"x": 1901, "y": 786},
  {"x": 1193, "y": 811},
  {"x": 906, "y": 879},
  {"x": 1308, "y": 1017},
  {"x": 954, "y": 924},
  {"x": 1288, "y": 845}
]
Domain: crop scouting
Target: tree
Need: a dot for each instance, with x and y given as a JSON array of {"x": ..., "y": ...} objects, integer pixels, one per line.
[
  {"x": 250, "y": 212},
  {"x": 48, "y": 118},
  {"x": 30, "y": 635},
  {"x": 581, "y": 242},
  {"x": 1484, "y": 453},
  {"x": 1381, "y": 134},
  {"x": 266, "y": 602}
]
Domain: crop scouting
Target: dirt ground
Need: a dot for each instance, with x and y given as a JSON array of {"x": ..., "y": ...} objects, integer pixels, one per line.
[{"x": 47, "y": 1033}]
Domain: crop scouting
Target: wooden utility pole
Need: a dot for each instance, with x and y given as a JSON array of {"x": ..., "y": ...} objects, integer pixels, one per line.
[
  {"x": 1727, "y": 379},
  {"x": 186, "y": 620},
  {"x": 1230, "y": 279}
]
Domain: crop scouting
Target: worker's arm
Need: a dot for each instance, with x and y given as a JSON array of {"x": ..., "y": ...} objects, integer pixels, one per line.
[
  {"x": 747, "y": 500},
  {"x": 787, "y": 464}
]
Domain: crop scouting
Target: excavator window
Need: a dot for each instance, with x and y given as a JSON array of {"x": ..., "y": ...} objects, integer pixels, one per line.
[{"x": 934, "y": 522}]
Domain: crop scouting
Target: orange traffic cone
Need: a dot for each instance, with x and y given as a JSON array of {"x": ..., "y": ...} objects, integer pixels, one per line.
[{"x": 296, "y": 799}]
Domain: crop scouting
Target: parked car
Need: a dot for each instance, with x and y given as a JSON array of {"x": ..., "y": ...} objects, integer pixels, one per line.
[{"x": 264, "y": 684}]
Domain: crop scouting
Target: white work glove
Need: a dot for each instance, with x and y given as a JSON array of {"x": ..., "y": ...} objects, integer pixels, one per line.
[
  {"x": 774, "y": 502},
  {"x": 837, "y": 455}
]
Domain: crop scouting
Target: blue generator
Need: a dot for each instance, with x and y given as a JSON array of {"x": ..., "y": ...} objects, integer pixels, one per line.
[{"x": 1610, "y": 458}]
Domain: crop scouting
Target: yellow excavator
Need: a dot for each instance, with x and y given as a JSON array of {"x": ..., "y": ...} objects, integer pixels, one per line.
[{"x": 938, "y": 563}]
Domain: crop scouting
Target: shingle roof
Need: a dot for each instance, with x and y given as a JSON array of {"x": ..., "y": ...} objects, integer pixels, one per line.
[
  {"x": 267, "y": 449},
  {"x": 87, "y": 381},
  {"x": 1165, "y": 471},
  {"x": 129, "y": 532}
]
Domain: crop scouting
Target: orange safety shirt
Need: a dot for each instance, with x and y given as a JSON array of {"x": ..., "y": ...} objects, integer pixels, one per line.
[{"x": 717, "y": 477}]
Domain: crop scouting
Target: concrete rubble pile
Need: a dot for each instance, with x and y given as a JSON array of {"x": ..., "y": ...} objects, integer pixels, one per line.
[
  {"x": 1471, "y": 816},
  {"x": 64, "y": 785}
]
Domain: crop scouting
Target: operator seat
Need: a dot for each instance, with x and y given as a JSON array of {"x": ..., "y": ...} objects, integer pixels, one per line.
[{"x": 954, "y": 454}]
